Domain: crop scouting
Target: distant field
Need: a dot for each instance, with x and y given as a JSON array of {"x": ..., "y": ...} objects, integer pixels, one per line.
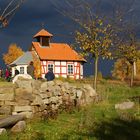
[{"x": 99, "y": 121}]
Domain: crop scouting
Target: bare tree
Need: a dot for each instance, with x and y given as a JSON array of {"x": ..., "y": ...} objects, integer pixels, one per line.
[{"x": 9, "y": 11}]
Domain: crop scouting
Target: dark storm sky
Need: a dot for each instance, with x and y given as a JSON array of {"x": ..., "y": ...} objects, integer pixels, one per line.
[{"x": 28, "y": 21}]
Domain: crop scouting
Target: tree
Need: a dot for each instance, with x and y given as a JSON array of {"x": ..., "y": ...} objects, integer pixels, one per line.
[
  {"x": 13, "y": 53},
  {"x": 93, "y": 38},
  {"x": 96, "y": 42},
  {"x": 86, "y": 13},
  {"x": 37, "y": 66},
  {"x": 129, "y": 50},
  {"x": 121, "y": 70},
  {"x": 9, "y": 11},
  {"x": 138, "y": 67}
]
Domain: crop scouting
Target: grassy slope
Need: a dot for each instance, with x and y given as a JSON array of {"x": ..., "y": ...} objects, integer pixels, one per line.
[{"x": 96, "y": 122}]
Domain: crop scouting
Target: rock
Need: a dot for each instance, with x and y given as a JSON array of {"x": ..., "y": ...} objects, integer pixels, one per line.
[
  {"x": 11, "y": 120},
  {"x": 58, "y": 82},
  {"x": 53, "y": 100},
  {"x": 44, "y": 87},
  {"x": 23, "y": 94},
  {"x": 79, "y": 94},
  {"x": 36, "y": 84},
  {"x": 46, "y": 95},
  {"x": 24, "y": 84},
  {"x": 66, "y": 85},
  {"x": 10, "y": 103},
  {"x": 21, "y": 77},
  {"x": 22, "y": 102},
  {"x": 3, "y": 131},
  {"x": 27, "y": 114},
  {"x": 51, "y": 83},
  {"x": 54, "y": 107},
  {"x": 7, "y": 90},
  {"x": 7, "y": 97},
  {"x": 37, "y": 101},
  {"x": 90, "y": 90},
  {"x": 5, "y": 110},
  {"x": 46, "y": 101},
  {"x": 22, "y": 108},
  {"x": 2, "y": 103},
  {"x": 124, "y": 105},
  {"x": 19, "y": 127}
]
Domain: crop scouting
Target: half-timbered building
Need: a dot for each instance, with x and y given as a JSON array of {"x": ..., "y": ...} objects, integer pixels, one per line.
[{"x": 65, "y": 61}]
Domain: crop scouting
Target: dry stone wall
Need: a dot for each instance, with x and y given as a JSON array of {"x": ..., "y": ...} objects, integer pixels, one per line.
[{"x": 32, "y": 97}]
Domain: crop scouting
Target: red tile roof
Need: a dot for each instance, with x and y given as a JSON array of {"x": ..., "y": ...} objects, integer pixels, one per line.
[
  {"x": 57, "y": 51},
  {"x": 43, "y": 33}
]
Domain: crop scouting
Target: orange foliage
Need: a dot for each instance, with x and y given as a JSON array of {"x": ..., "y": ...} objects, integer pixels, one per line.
[
  {"x": 13, "y": 53},
  {"x": 37, "y": 66}
]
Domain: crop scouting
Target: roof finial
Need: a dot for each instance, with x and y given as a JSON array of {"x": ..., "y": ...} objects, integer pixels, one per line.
[{"x": 42, "y": 25}]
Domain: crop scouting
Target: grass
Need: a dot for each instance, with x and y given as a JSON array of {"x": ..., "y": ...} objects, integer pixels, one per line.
[
  {"x": 94, "y": 122},
  {"x": 4, "y": 83}
]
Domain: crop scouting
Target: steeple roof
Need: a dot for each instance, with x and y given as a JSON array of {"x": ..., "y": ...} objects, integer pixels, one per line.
[{"x": 43, "y": 32}]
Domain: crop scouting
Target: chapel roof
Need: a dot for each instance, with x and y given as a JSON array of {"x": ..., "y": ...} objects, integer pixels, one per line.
[
  {"x": 57, "y": 51},
  {"x": 43, "y": 32}
]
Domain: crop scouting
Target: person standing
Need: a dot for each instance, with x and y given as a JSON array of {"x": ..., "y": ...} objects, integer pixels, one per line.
[
  {"x": 30, "y": 69},
  {"x": 16, "y": 72},
  {"x": 50, "y": 75},
  {"x": 7, "y": 74}
]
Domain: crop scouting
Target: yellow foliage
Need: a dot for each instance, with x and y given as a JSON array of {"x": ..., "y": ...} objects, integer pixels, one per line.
[
  {"x": 13, "y": 53},
  {"x": 121, "y": 70},
  {"x": 37, "y": 66}
]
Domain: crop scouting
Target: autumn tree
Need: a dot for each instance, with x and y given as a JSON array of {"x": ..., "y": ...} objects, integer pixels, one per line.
[
  {"x": 125, "y": 36},
  {"x": 13, "y": 53},
  {"x": 95, "y": 31},
  {"x": 93, "y": 38},
  {"x": 37, "y": 66},
  {"x": 95, "y": 42},
  {"x": 121, "y": 69},
  {"x": 129, "y": 50}
]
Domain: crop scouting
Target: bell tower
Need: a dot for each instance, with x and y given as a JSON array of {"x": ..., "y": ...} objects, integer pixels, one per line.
[{"x": 43, "y": 37}]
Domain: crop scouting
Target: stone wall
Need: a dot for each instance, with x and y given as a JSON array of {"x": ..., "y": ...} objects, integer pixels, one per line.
[{"x": 32, "y": 97}]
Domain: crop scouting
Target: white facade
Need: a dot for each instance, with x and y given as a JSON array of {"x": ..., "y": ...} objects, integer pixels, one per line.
[
  {"x": 64, "y": 69},
  {"x": 21, "y": 68}
]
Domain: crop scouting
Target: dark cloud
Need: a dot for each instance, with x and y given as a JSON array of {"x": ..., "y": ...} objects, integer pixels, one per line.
[{"x": 29, "y": 18}]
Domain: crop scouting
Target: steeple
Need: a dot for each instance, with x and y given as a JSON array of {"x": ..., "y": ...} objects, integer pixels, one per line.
[{"x": 43, "y": 37}]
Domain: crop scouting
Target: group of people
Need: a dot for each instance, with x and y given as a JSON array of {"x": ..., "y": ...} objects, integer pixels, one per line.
[
  {"x": 6, "y": 74},
  {"x": 49, "y": 76}
]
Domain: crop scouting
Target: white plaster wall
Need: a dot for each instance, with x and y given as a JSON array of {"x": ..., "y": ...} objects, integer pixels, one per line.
[
  {"x": 63, "y": 69},
  {"x": 57, "y": 63},
  {"x": 63, "y": 63},
  {"x": 57, "y": 69},
  {"x": 18, "y": 68}
]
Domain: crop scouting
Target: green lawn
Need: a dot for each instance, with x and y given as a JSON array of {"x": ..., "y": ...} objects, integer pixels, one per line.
[{"x": 95, "y": 122}]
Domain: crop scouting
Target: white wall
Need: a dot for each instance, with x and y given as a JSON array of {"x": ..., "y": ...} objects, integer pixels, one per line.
[
  {"x": 60, "y": 69},
  {"x": 18, "y": 68}
]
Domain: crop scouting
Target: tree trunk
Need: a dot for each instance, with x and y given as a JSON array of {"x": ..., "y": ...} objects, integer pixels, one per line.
[
  {"x": 96, "y": 73},
  {"x": 132, "y": 75},
  {"x": 11, "y": 120},
  {"x": 135, "y": 69}
]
